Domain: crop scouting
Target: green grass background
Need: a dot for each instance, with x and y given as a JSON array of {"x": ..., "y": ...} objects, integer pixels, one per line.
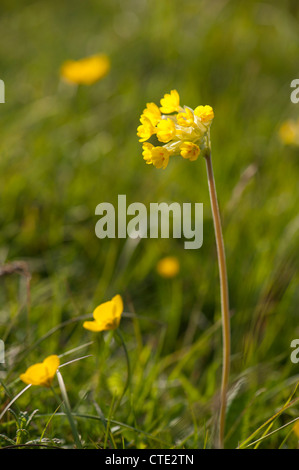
[{"x": 66, "y": 149}]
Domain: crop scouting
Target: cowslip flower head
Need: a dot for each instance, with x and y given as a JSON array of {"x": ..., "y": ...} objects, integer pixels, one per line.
[
  {"x": 86, "y": 71},
  {"x": 42, "y": 373},
  {"x": 182, "y": 130},
  {"x": 106, "y": 316}
]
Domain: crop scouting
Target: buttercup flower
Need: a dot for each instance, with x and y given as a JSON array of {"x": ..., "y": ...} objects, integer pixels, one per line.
[
  {"x": 182, "y": 130},
  {"x": 168, "y": 267},
  {"x": 106, "y": 316},
  {"x": 41, "y": 373},
  {"x": 86, "y": 71}
]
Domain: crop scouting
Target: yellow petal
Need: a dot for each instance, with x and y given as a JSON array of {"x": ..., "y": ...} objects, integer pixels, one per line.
[
  {"x": 106, "y": 316},
  {"x": 205, "y": 113},
  {"x": 103, "y": 312},
  {"x": 119, "y": 305},
  {"x": 35, "y": 375},
  {"x": 160, "y": 157},
  {"x": 41, "y": 373},
  {"x": 190, "y": 151},
  {"x": 152, "y": 112},
  {"x": 51, "y": 363},
  {"x": 146, "y": 129},
  {"x": 147, "y": 152},
  {"x": 186, "y": 118},
  {"x": 166, "y": 130},
  {"x": 170, "y": 102},
  {"x": 92, "y": 326}
]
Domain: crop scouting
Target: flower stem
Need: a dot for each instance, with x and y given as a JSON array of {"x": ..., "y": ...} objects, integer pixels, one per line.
[
  {"x": 128, "y": 381},
  {"x": 224, "y": 296},
  {"x": 68, "y": 409}
]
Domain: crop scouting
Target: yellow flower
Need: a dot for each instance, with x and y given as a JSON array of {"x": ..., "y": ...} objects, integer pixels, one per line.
[
  {"x": 41, "y": 373},
  {"x": 146, "y": 129},
  {"x": 186, "y": 133},
  {"x": 158, "y": 156},
  {"x": 190, "y": 151},
  {"x": 288, "y": 132},
  {"x": 185, "y": 119},
  {"x": 205, "y": 113},
  {"x": 170, "y": 103},
  {"x": 166, "y": 130},
  {"x": 168, "y": 267},
  {"x": 147, "y": 152},
  {"x": 86, "y": 71},
  {"x": 152, "y": 112},
  {"x": 106, "y": 316}
]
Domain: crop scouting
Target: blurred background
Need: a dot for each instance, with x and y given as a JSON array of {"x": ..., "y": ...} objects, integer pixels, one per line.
[{"x": 66, "y": 148}]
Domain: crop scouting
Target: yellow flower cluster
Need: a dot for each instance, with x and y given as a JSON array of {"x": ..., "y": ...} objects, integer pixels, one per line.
[{"x": 182, "y": 130}]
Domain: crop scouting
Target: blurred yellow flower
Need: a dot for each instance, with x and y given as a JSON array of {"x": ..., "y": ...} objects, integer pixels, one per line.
[
  {"x": 106, "y": 316},
  {"x": 296, "y": 428},
  {"x": 185, "y": 133},
  {"x": 41, "y": 373},
  {"x": 289, "y": 132},
  {"x": 168, "y": 267},
  {"x": 86, "y": 71}
]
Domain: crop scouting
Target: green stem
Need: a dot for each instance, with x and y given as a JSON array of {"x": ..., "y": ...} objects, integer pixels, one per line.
[
  {"x": 224, "y": 296},
  {"x": 128, "y": 381},
  {"x": 67, "y": 408}
]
